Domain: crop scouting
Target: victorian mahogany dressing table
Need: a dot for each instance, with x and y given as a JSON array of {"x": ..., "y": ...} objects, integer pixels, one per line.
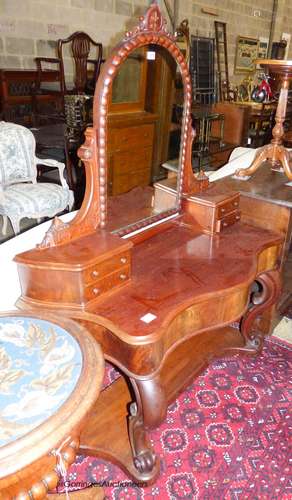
[{"x": 161, "y": 295}]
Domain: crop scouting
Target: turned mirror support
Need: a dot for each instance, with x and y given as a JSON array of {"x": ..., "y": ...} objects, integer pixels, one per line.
[{"x": 275, "y": 152}]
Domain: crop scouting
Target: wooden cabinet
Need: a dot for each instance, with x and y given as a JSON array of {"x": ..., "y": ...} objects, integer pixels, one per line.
[
  {"x": 130, "y": 151},
  {"x": 16, "y": 93}
]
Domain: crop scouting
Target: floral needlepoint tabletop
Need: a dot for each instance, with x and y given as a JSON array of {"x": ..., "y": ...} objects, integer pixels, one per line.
[{"x": 40, "y": 364}]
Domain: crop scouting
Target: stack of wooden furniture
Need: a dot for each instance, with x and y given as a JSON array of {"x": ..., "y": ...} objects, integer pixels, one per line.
[
  {"x": 131, "y": 140},
  {"x": 17, "y": 93},
  {"x": 163, "y": 295}
]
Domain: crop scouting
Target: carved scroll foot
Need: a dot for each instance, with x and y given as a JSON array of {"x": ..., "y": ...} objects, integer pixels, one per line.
[
  {"x": 144, "y": 458},
  {"x": 147, "y": 412},
  {"x": 260, "y": 301}
]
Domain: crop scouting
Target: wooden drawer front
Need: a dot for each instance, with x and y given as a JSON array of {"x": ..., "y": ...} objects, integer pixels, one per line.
[
  {"x": 126, "y": 138},
  {"x": 124, "y": 183},
  {"x": 227, "y": 221},
  {"x": 224, "y": 209},
  {"x": 106, "y": 267},
  {"x": 109, "y": 282},
  {"x": 127, "y": 162}
]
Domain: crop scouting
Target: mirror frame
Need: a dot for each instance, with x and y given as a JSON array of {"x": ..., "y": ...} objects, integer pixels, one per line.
[{"x": 93, "y": 212}]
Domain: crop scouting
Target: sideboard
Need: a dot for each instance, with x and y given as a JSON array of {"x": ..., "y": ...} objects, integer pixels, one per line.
[{"x": 16, "y": 96}]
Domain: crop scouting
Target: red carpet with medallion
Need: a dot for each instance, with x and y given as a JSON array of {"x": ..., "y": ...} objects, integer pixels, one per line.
[{"x": 225, "y": 437}]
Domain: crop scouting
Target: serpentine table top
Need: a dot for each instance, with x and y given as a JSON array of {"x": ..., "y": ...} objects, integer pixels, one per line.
[{"x": 170, "y": 271}]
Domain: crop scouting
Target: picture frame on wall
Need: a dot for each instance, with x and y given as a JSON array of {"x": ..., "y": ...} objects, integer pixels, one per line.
[
  {"x": 246, "y": 53},
  {"x": 263, "y": 48}
]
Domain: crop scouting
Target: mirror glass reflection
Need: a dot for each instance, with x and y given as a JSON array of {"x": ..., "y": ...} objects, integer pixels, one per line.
[
  {"x": 144, "y": 129},
  {"x": 127, "y": 83}
]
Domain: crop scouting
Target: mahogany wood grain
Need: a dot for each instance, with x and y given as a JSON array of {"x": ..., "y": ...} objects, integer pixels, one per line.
[
  {"x": 187, "y": 286},
  {"x": 177, "y": 373},
  {"x": 266, "y": 202},
  {"x": 236, "y": 121}
]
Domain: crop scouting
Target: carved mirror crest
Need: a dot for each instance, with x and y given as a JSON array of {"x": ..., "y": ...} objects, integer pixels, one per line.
[{"x": 151, "y": 32}]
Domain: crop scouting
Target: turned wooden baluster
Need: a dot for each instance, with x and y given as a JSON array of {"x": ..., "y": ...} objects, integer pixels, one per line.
[{"x": 275, "y": 152}]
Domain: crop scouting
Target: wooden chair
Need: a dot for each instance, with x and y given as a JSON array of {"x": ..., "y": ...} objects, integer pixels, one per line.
[
  {"x": 79, "y": 44},
  {"x": 20, "y": 194},
  {"x": 71, "y": 98}
]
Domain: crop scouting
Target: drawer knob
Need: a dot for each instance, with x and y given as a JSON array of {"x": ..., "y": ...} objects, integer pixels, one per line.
[
  {"x": 223, "y": 210},
  {"x": 123, "y": 260},
  {"x": 95, "y": 274},
  {"x": 225, "y": 224},
  {"x": 236, "y": 203},
  {"x": 237, "y": 217},
  {"x": 95, "y": 291},
  {"x": 123, "y": 277}
]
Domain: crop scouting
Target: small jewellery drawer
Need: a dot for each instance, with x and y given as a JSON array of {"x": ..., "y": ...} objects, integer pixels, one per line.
[
  {"x": 225, "y": 209},
  {"x": 107, "y": 283},
  {"x": 228, "y": 220},
  {"x": 106, "y": 267}
]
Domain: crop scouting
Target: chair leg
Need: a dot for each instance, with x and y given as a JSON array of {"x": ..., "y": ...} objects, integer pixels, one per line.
[
  {"x": 5, "y": 224},
  {"x": 15, "y": 225},
  {"x": 71, "y": 202}
]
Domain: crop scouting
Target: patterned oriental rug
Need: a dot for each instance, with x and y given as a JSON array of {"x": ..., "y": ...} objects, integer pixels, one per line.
[{"x": 225, "y": 438}]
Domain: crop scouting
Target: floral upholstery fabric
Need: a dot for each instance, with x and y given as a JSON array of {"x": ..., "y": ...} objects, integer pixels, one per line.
[
  {"x": 20, "y": 195},
  {"x": 40, "y": 364},
  {"x": 42, "y": 199},
  {"x": 17, "y": 148}
]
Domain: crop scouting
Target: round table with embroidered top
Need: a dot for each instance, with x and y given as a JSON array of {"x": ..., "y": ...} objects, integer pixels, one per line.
[{"x": 51, "y": 372}]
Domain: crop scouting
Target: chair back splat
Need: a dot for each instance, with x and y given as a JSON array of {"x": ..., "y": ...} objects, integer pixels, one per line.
[{"x": 80, "y": 45}]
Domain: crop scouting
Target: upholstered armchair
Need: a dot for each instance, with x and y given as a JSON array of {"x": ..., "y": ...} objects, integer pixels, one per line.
[{"x": 20, "y": 193}]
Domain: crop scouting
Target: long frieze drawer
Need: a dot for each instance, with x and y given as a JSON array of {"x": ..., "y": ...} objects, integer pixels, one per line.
[
  {"x": 141, "y": 135},
  {"x": 109, "y": 282},
  {"x": 106, "y": 267},
  {"x": 227, "y": 207},
  {"x": 227, "y": 221}
]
